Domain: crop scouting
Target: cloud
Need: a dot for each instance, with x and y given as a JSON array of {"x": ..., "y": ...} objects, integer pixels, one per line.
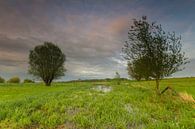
[
  {"x": 119, "y": 61},
  {"x": 92, "y": 43},
  {"x": 14, "y": 44},
  {"x": 90, "y": 33}
]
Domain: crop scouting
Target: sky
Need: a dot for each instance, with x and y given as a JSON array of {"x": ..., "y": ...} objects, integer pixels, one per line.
[{"x": 91, "y": 33}]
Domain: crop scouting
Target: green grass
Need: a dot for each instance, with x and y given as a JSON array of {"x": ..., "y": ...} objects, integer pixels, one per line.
[{"x": 131, "y": 105}]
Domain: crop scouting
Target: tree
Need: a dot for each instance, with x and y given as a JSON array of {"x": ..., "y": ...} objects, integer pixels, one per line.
[
  {"x": 14, "y": 80},
  {"x": 158, "y": 51},
  {"x": 2, "y": 80},
  {"x": 47, "y": 62},
  {"x": 117, "y": 78},
  {"x": 133, "y": 71},
  {"x": 138, "y": 70},
  {"x": 117, "y": 75}
]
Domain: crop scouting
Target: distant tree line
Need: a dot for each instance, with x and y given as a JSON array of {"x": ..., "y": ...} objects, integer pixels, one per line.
[{"x": 96, "y": 80}]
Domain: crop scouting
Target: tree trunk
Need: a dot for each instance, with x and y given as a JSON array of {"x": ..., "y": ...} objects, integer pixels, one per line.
[
  {"x": 157, "y": 87},
  {"x": 47, "y": 83}
]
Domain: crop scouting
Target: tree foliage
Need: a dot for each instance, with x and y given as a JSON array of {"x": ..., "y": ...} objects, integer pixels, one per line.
[
  {"x": 14, "y": 80},
  {"x": 153, "y": 52},
  {"x": 138, "y": 69},
  {"x": 47, "y": 62},
  {"x": 117, "y": 75},
  {"x": 117, "y": 78},
  {"x": 2, "y": 80}
]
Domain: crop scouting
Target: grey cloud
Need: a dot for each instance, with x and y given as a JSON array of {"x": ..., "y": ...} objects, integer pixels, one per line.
[
  {"x": 90, "y": 53},
  {"x": 91, "y": 41},
  {"x": 188, "y": 71},
  {"x": 14, "y": 44},
  {"x": 11, "y": 62}
]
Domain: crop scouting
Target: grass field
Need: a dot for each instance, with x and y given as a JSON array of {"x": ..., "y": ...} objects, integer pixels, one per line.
[{"x": 130, "y": 105}]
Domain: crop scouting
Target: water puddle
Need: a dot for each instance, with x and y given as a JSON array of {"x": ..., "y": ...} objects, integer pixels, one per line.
[{"x": 102, "y": 88}]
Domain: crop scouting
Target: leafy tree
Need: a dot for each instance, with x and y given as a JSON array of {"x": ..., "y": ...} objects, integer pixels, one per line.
[
  {"x": 117, "y": 75},
  {"x": 14, "y": 80},
  {"x": 2, "y": 80},
  {"x": 133, "y": 71},
  {"x": 158, "y": 51},
  {"x": 47, "y": 62},
  {"x": 138, "y": 70},
  {"x": 118, "y": 78}
]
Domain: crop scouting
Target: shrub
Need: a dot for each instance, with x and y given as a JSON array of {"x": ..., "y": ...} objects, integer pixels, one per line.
[
  {"x": 2, "y": 80},
  {"x": 28, "y": 81},
  {"x": 14, "y": 80}
]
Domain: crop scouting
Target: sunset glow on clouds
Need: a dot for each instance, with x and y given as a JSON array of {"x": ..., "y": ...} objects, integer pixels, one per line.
[{"x": 90, "y": 33}]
